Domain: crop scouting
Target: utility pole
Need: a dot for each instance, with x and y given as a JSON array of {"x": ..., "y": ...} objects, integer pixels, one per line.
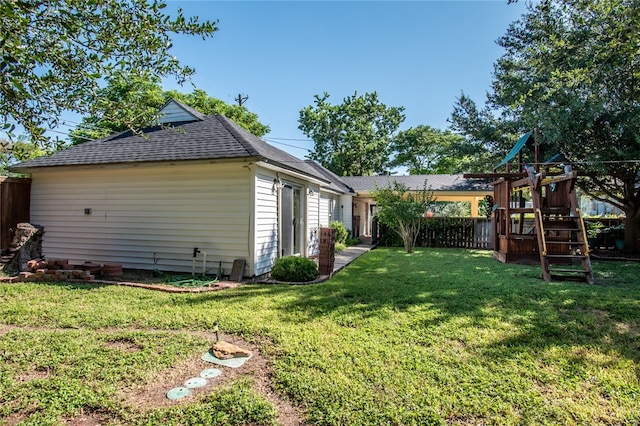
[{"x": 241, "y": 99}]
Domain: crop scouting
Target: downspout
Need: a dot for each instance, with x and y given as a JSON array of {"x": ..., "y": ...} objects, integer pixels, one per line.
[
  {"x": 319, "y": 202},
  {"x": 251, "y": 236},
  {"x": 278, "y": 214},
  {"x": 316, "y": 243}
]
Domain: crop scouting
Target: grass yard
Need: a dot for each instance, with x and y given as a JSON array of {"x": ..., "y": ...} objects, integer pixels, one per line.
[{"x": 440, "y": 336}]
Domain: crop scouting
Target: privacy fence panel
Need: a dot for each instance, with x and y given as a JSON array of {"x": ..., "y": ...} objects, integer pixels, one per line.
[
  {"x": 15, "y": 202},
  {"x": 463, "y": 232}
]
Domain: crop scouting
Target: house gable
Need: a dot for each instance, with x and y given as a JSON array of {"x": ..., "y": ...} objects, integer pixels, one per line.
[{"x": 177, "y": 112}]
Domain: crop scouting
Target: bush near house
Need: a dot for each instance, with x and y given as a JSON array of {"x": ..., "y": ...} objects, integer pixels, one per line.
[
  {"x": 294, "y": 269},
  {"x": 352, "y": 242},
  {"x": 342, "y": 233}
]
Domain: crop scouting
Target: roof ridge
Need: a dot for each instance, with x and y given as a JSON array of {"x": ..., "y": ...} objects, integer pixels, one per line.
[
  {"x": 214, "y": 137},
  {"x": 328, "y": 173},
  {"x": 240, "y": 138}
]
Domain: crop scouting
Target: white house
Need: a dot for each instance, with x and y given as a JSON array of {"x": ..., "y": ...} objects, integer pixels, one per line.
[{"x": 193, "y": 184}]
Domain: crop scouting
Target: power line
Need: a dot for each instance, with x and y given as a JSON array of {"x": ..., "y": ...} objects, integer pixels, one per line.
[
  {"x": 291, "y": 139},
  {"x": 57, "y": 131},
  {"x": 286, "y": 144},
  {"x": 276, "y": 139}
]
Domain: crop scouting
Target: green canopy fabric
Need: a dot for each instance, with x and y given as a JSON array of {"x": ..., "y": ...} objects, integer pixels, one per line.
[{"x": 516, "y": 149}]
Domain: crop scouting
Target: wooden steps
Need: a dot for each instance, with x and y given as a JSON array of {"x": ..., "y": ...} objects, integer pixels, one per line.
[{"x": 562, "y": 240}]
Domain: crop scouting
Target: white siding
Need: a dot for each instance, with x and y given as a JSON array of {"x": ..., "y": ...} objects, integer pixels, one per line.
[
  {"x": 174, "y": 113},
  {"x": 146, "y": 217},
  {"x": 345, "y": 206},
  {"x": 266, "y": 214},
  {"x": 313, "y": 221},
  {"x": 325, "y": 210},
  {"x": 335, "y": 213}
]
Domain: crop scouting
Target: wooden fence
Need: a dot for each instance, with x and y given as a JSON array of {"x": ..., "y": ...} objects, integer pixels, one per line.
[
  {"x": 464, "y": 232},
  {"x": 15, "y": 197}
]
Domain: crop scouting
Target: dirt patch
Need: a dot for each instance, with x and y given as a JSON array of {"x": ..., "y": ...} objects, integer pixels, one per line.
[
  {"x": 87, "y": 419},
  {"x": 154, "y": 393},
  {"x": 37, "y": 373},
  {"x": 14, "y": 419},
  {"x": 632, "y": 329}
]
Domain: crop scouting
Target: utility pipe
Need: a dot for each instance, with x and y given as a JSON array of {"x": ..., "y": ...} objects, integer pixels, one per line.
[
  {"x": 204, "y": 262},
  {"x": 196, "y": 250}
]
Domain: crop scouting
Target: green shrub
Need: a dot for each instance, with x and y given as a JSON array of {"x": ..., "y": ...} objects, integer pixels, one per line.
[
  {"x": 294, "y": 268},
  {"x": 342, "y": 233},
  {"x": 352, "y": 242}
]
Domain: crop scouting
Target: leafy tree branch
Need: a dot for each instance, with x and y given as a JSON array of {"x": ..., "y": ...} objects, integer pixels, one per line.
[{"x": 56, "y": 53}]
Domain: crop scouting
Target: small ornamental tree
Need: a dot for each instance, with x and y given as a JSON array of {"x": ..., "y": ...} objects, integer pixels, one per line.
[{"x": 402, "y": 210}]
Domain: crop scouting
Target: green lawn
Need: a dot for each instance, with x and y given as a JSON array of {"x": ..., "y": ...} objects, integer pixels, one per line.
[{"x": 440, "y": 336}]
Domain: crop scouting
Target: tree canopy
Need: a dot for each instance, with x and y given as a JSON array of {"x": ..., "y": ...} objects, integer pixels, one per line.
[
  {"x": 487, "y": 136},
  {"x": 142, "y": 96},
  {"x": 206, "y": 104},
  {"x": 21, "y": 149},
  {"x": 425, "y": 150},
  {"x": 352, "y": 138},
  {"x": 55, "y": 53},
  {"x": 571, "y": 69}
]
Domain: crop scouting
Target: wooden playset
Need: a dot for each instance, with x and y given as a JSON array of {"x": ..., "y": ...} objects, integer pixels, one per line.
[{"x": 536, "y": 215}]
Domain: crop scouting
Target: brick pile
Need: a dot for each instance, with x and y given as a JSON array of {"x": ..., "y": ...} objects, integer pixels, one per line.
[
  {"x": 62, "y": 270},
  {"x": 327, "y": 251}
]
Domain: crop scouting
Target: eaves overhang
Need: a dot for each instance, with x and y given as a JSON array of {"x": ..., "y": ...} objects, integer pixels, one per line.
[
  {"x": 284, "y": 168},
  {"x": 125, "y": 164}
]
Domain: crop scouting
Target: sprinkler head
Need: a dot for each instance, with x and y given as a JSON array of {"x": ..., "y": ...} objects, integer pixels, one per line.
[{"x": 215, "y": 330}]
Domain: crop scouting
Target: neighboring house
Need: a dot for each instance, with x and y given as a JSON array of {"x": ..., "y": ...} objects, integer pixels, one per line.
[
  {"x": 191, "y": 182},
  {"x": 453, "y": 188},
  {"x": 595, "y": 208}
]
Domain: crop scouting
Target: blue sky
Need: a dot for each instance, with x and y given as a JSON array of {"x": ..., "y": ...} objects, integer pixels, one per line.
[{"x": 417, "y": 54}]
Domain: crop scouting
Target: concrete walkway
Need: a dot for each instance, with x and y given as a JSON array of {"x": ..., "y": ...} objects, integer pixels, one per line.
[{"x": 348, "y": 255}]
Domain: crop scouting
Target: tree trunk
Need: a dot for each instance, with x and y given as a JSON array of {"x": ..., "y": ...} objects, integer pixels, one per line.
[
  {"x": 407, "y": 234},
  {"x": 632, "y": 224}
]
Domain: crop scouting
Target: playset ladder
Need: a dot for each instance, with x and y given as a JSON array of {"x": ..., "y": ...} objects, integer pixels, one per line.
[{"x": 562, "y": 240}]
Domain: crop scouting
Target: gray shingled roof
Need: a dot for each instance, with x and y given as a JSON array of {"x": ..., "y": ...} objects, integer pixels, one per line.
[
  {"x": 335, "y": 182},
  {"x": 210, "y": 138},
  {"x": 416, "y": 182}
]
